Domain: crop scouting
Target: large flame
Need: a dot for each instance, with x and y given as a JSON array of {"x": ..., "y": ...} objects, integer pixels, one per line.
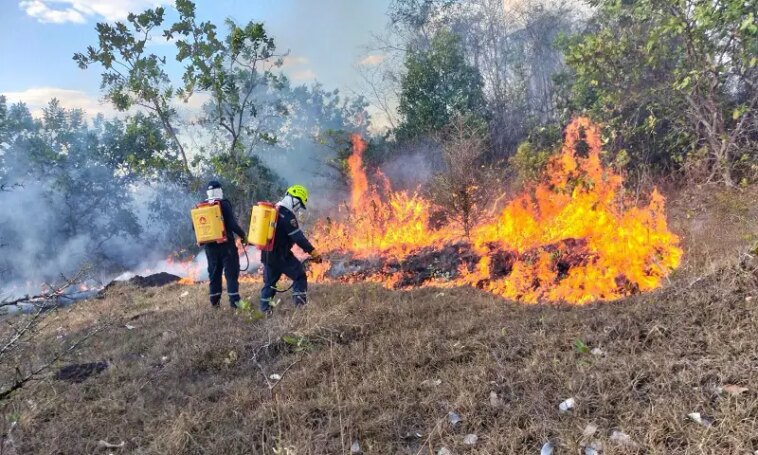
[
  {"x": 396, "y": 224},
  {"x": 574, "y": 237}
]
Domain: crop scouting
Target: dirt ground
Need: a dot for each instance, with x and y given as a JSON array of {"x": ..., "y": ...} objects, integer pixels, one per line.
[{"x": 384, "y": 370}]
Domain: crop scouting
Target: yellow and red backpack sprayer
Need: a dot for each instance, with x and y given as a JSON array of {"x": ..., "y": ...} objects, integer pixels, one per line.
[
  {"x": 208, "y": 222},
  {"x": 263, "y": 218}
]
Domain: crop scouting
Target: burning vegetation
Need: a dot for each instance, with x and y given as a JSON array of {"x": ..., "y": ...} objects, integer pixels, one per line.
[{"x": 574, "y": 236}]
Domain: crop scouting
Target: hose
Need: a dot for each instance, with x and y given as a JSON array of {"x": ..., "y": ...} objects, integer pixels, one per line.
[
  {"x": 247, "y": 259},
  {"x": 279, "y": 291}
]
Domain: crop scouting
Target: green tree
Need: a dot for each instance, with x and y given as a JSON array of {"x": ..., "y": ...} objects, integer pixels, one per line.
[
  {"x": 236, "y": 72},
  {"x": 79, "y": 193},
  {"x": 681, "y": 74},
  {"x": 438, "y": 84},
  {"x": 132, "y": 76},
  {"x": 233, "y": 71}
]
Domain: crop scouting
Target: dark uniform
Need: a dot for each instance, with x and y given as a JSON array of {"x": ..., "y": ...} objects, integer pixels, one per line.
[
  {"x": 224, "y": 259},
  {"x": 281, "y": 260}
]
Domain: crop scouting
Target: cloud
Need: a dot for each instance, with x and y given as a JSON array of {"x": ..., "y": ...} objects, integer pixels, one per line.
[
  {"x": 373, "y": 59},
  {"x": 303, "y": 75},
  {"x": 160, "y": 40},
  {"x": 37, "y": 97},
  {"x": 78, "y": 11},
  {"x": 43, "y": 13}
]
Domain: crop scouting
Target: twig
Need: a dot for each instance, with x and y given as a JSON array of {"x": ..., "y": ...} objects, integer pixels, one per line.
[
  {"x": 337, "y": 393},
  {"x": 32, "y": 375},
  {"x": 19, "y": 333},
  {"x": 53, "y": 291},
  {"x": 428, "y": 439},
  {"x": 271, "y": 385}
]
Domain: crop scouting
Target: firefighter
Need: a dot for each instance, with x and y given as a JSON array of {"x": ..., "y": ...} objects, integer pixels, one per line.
[
  {"x": 223, "y": 257},
  {"x": 280, "y": 261}
]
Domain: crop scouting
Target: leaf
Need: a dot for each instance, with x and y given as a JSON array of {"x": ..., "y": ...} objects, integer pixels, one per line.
[
  {"x": 747, "y": 24},
  {"x": 547, "y": 449},
  {"x": 567, "y": 405},
  {"x": 697, "y": 418},
  {"x": 470, "y": 439},
  {"x": 581, "y": 347},
  {"x": 684, "y": 83},
  {"x": 623, "y": 439},
  {"x": 589, "y": 430},
  {"x": 231, "y": 358},
  {"x": 734, "y": 390},
  {"x": 290, "y": 340}
]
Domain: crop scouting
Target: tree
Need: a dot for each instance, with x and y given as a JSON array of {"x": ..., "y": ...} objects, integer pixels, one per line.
[
  {"x": 465, "y": 185},
  {"x": 235, "y": 72},
  {"x": 77, "y": 193},
  {"x": 682, "y": 73},
  {"x": 138, "y": 148},
  {"x": 438, "y": 85},
  {"x": 512, "y": 45},
  {"x": 231, "y": 71},
  {"x": 133, "y": 77}
]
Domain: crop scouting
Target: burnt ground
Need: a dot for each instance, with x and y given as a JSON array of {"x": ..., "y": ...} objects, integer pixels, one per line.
[{"x": 385, "y": 368}]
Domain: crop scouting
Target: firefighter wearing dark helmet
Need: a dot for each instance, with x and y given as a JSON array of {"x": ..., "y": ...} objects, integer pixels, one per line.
[
  {"x": 280, "y": 261},
  {"x": 223, "y": 258}
]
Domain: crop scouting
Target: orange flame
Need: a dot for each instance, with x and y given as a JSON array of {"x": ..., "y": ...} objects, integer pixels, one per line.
[
  {"x": 189, "y": 269},
  {"x": 574, "y": 237}
]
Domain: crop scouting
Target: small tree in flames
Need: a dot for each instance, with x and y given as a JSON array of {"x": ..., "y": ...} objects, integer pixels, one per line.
[{"x": 463, "y": 188}]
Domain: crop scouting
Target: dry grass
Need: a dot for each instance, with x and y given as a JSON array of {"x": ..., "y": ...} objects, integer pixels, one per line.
[{"x": 385, "y": 368}]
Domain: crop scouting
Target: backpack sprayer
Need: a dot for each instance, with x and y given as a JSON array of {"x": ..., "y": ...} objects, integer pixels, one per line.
[
  {"x": 263, "y": 218},
  {"x": 208, "y": 224}
]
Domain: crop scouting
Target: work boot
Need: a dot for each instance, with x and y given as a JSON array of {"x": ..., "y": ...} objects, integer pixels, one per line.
[
  {"x": 233, "y": 304},
  {"x": 299, "y": 299}
]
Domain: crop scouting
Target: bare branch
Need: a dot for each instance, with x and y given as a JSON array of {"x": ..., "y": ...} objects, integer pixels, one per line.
[{"x": 32, "y": 375}]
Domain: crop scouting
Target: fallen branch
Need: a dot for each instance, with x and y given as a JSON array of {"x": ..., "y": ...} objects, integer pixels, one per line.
[
  {"x": 271, "y": 385},
  {"x": 53, "y": 292},
  {"x": 24, "y": 329},
  {"x": 34, "y": 373}
]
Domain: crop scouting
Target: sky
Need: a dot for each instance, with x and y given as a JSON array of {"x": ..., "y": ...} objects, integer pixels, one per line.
[{"x": 327, "y": 41}]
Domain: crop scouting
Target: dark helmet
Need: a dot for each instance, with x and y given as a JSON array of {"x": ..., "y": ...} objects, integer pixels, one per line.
[{"x": 213, "y": 184}]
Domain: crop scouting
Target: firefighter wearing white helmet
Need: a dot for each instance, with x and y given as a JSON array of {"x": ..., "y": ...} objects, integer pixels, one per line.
[
  {"x": 223, "y": 258},
  {"x": 280, "y": 261}
]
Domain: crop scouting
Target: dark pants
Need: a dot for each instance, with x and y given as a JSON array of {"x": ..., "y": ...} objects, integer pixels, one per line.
[
  {"x": 223, "y": 259},
  {"x": 273, "y": 269}
]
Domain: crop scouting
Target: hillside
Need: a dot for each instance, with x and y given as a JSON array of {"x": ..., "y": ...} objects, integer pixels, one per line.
[{"x": 385, "y": 368}]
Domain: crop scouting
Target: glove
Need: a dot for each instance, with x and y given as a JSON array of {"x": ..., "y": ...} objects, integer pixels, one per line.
[{"x": 316, "y": 257}]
